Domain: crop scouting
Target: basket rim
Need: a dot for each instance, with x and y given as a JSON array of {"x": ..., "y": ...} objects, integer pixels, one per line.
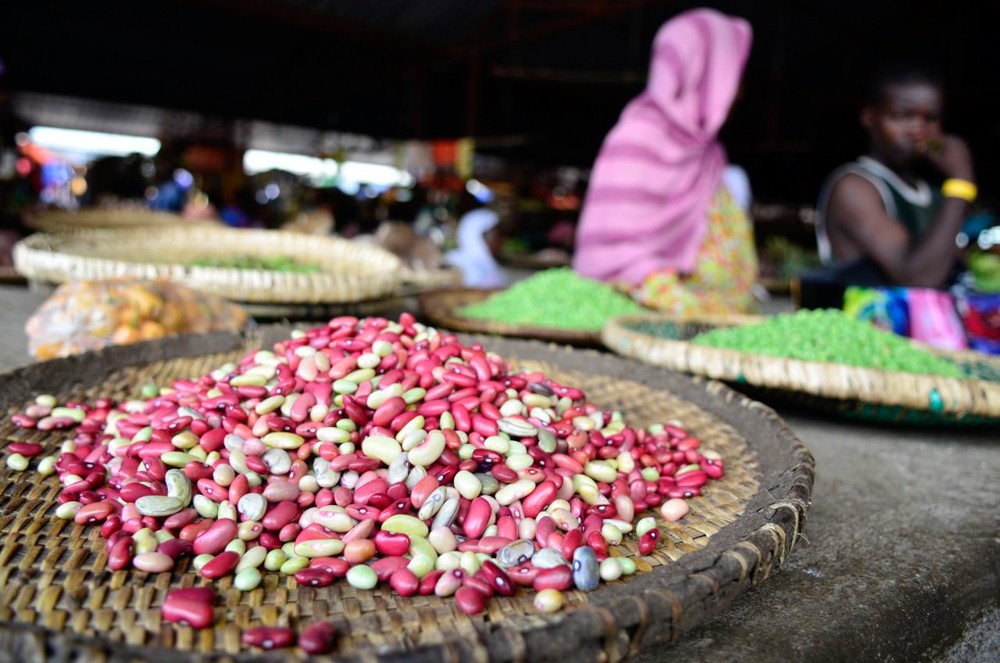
[
  {"x": 959, "y": 396},
  {"x": 369, "y": 272},
  {"x": 95, "y": 218},
  {"x": 617, "y": 620}
]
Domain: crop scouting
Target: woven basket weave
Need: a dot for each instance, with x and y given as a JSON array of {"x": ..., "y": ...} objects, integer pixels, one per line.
[
  {"x": 351, "y": 271},
  {"x": 414, "y": 281},
  {"x": 58, "y": 601},
  {"x": 441, "y": 308},
  {"x": 60, "y": 221},
  {"x": 849, "y": 390}
]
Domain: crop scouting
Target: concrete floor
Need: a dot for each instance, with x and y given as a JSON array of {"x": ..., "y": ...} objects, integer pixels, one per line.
[{"x": 900, "y": 558}]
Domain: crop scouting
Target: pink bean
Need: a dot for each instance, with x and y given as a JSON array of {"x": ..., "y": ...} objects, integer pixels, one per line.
[
  {"x": 213, "y": 540},
  {"x": 153, "y": 562}
]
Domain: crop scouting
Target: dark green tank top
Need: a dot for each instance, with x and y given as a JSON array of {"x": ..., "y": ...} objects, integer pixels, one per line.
[{"x": 914, "y": 207}]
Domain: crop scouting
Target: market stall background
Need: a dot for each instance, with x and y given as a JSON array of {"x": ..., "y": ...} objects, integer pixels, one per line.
[{"x": 538, "y": 82}]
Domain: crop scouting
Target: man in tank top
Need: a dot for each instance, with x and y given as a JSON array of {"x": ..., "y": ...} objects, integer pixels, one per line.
[{"x": 879, "y": 221}]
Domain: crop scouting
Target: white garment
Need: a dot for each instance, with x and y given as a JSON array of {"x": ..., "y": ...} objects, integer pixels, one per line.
[
  {"x": 473, "y": 256},
  {"x": 738, "y": 184}
]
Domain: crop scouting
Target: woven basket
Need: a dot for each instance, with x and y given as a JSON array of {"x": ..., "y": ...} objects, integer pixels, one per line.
[
  {"x": 387, "y": 307},
  {"x": 849, "y": 390},
  {"x": 60, "y": 221},
  {"x": 414, "y": 281},
  {"x": 536, "y": 261},
  {"x": 440, "y": 308},
  {"x": 351, "y": 271},
  {"x": 58, "y": 601}
]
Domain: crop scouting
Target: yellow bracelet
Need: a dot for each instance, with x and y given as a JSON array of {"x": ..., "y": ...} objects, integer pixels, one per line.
[{"x": 956, "y": 188}]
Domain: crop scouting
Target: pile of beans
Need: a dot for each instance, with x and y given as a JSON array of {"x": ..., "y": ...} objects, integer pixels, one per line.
[
  {"x": 374, "y": 451},
  {"x": 829, "y": 335},
  {"x": 558, "y": 298}
]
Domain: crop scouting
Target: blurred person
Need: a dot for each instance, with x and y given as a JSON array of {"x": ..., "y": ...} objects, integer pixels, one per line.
[
  {"x": 478, "y": 240},
  {"x": 658, "y": 218},
  {"x": 879, "y": 221}
]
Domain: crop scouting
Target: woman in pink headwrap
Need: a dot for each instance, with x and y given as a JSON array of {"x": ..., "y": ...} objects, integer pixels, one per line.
[{"x": 658, "y": 218}]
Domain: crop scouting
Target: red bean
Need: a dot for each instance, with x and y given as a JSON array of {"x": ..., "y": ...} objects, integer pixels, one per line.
[
  {"x": 26, "y": 449},
  {"x": 386, "y": 566},
  {"x": 120, "y": 556},
  {"x": 647, "y": 542},
  {"x": 558, "y": 577},
  {"x": 194, "y": 612},
  {"x": 93, "y": 513},
  {"x": 429, "y": 581},
  {"x": 480, "y": 582},
  {"x": 318, "y": 638},
  {"x": 175, "y": 547},
  {"x": 476, "y": 521},
  {"x": 523, "y": 575},
  {"x": 280, "y": 515},
  {"x": 470, "y": 600},
  {"x": 314, "y": 577},
  {"x": 334, "y": 565},
  {"x": 269, "y": 637},
  {"x": 405, "y": 582},
  {"x": 499, "y": 580},
  {"x": 214, "y": 539},
  {"x": 203, "y": 594},
  {"x": 222, "y": 565},
  {"x": 391, "y": 544}
]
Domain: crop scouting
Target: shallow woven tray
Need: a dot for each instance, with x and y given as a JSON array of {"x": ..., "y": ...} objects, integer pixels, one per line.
[
  {"x": 413, "y": 281},
  {"x": 390, "y": 306},
  {"x": 58, "y": 600},
  {"x": 58, "y": 221},
  {"x": 535, "y": 261},
  {"x": 440, "y": 308},
  {"x": 352, "y": 271},
  {"x": 851, "y": 391}
]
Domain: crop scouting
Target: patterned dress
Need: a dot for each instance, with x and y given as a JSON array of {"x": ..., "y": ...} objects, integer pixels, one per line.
[{"x": 725, "y": 270}]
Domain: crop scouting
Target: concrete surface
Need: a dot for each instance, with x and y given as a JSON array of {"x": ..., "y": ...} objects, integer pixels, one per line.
[{"x": 900, "y": 559}]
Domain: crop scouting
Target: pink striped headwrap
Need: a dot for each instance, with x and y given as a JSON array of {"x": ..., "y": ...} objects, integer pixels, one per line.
[{"x": 658, "y": 168}]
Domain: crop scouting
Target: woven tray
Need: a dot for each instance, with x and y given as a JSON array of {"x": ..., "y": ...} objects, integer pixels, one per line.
[
  {"x": 58, "y": 221},
  {"x": 851, "y": 391},
  {"x": 387, "y": 307},
  {"x": 414, "y": 281},
  {"x": 440, "y": 308},
  {"x": 536, "y": 261},
  {"x": 351, "y": 271},
  {"x": 58, "y": 600}
]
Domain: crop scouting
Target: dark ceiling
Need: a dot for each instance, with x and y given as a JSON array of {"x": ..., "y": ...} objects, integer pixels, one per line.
[{"x": 537, "y": 81}]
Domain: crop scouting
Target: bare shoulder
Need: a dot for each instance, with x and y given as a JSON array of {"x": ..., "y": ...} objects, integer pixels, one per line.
[
  {"x": 853, "y": 192},
  {"x": 855, "y": 206}
]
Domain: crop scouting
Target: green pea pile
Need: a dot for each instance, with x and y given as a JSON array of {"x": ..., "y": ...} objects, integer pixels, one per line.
[
  {"x": 276, "y": 263},
  {"x": 829, "y": 335},
  {"x": 558, "y": 298}
]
